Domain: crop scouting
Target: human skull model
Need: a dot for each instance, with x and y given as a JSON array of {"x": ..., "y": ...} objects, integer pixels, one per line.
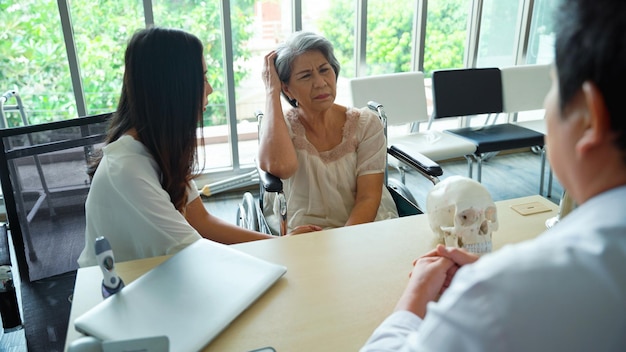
[{"x": 462, "y": 213}]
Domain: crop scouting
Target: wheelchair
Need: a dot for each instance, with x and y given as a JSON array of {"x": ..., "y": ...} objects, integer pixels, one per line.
[{"x": 269, "y": 214}]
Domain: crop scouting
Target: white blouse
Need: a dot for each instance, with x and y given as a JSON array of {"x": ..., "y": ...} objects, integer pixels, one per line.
[
  {"x": 322, "y": 191},
  {"x": 563, "y": 291},
  {"x": 128, "y": 205}
]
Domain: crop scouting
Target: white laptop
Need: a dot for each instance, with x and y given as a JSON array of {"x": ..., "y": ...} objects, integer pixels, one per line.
[{"x": 190, "y": 298}]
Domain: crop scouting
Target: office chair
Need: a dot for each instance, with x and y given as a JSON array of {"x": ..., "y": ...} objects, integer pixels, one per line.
[
  {"x": 404, "y": 98},
  {"x": 62, "y": 150},
  {"x": 475, "y": 91},
  {"x": 524, "y": 88}
]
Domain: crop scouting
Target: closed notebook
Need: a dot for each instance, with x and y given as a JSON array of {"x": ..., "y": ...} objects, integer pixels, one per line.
[{"x": 190, "y": 298}]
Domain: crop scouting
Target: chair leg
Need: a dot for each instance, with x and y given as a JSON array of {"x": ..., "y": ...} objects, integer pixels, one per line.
[
  {"x": 487, "y": 156},
  {"x": 470, "y": 165},
  {"x": 549, "y": 192},
  {"x": 545, "y": 163},
  {"x": 543, "y": 170},
  {"x": 479, "y": 167},
  {"x": 24, "y": 215},
  {"x": 44, "y": 184}
]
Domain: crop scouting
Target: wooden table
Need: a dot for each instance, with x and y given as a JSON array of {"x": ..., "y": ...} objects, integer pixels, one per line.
[{"x": 340, "y": 283}]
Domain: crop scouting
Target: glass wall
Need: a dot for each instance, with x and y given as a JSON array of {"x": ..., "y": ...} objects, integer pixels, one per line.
[
  {"x": 101, "y": 32},
  {"x": 389, "y": 37},
  {"x": 204, "y": 20},
  {"x": 446, "y": 34},
  {"x": 269, "y": 23},
  {"x": 33, "y": 61},
  {"x": 541, "y": 38},
  {"x": 370, "y": 37},
  {"x": 498, "y": 32},
  {"x": 335, "y": 20}
]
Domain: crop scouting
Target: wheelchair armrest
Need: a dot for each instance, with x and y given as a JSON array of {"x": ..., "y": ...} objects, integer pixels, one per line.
[
  {"x": 373, "y": 105},
  {"x": 417, "y": 160},
  {"x": 269, "y": 182}
]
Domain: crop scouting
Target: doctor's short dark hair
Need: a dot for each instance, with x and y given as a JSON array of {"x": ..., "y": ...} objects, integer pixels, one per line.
[{"x": 591, "y": 46}]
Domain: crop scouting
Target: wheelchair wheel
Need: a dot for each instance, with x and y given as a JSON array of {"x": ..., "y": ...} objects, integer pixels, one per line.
[
  {"x": 402, "y": 189},
  {"x": 248, "y": 213},
  {"x": 405, "y": 202}
]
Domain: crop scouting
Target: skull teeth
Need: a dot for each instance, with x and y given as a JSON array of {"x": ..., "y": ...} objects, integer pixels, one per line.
[{"x": 478, "y": 248}]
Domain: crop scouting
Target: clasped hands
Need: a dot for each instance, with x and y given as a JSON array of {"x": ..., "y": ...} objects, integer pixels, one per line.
[
  {"x": 304, "y": 229},
  {"x": 431, "y": 276}
]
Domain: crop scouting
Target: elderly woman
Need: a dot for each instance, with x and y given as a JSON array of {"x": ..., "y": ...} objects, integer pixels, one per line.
[{"x": 331, "y": 158}]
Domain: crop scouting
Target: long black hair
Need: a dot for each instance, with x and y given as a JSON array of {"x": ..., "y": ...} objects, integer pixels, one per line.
[{"x": 162, "y": 96}]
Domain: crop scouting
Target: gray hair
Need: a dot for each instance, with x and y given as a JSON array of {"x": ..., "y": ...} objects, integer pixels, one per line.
[{"x": 297, "y": 44}]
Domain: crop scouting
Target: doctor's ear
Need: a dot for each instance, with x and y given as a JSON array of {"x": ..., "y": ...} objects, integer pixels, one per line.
[{"x": 599, "y": 119}]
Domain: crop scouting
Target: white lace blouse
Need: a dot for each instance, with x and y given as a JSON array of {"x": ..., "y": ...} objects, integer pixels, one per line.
[{"x": 323, "y": 189}]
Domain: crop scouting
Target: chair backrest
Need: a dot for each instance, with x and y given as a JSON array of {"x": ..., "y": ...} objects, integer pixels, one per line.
[
  {"x": 402, "y": 94},
  {"x": 465, "y": 92},
  {"x": 45, "y": 184},
  {"x": 525, "y": 87}
]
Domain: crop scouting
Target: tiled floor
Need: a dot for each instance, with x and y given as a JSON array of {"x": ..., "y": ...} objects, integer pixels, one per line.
[{"x": 13, "y": 341}]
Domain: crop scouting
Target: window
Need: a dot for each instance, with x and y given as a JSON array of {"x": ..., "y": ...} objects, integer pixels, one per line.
[
  {"x": 101, "y": 32},
  {"x": 33, "y": 61},
  {"x": 203, "y": 19},
  {"x": 34, "y": 58},
  {"x": 445, "y": 44},
  {"x": 269, "y": 23},
  {"x": 389, "y": 36},
  {"x": 498, "y": 30},
  {"x": 335, "y": 20},
  {"x": 541, "y": 39},
  {"x": 540, "y": 44},
  {"x": 446, "y": 32}
]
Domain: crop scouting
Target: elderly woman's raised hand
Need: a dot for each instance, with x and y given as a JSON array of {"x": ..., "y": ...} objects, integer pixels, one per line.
[{"x": 270, "y": 75}]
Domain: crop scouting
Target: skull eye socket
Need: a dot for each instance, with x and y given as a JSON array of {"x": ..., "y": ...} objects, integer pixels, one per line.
[
  {"x": 484, "y": 228},
  {"x": 467, "y": 217}
]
